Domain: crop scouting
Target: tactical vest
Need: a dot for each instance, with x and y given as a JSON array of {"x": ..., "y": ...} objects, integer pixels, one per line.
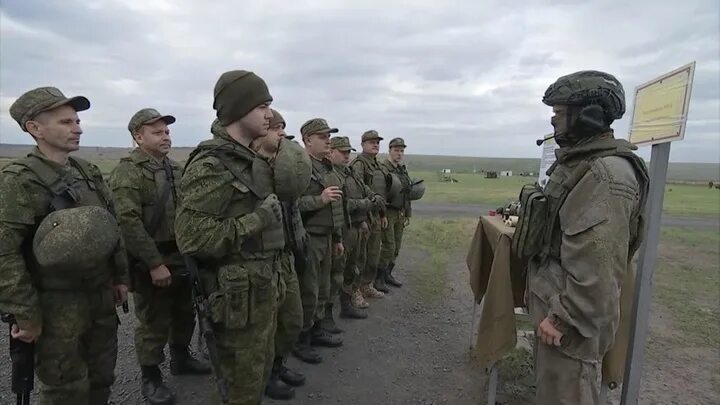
[
  {"x": 331, "y": 216},
  {"x": 355, "y": 189},
  {"x": 66, "y": 190},
  {"x": 253, "y": 175},
  {"x": 538, "y": 232},
  {"x": 398, "y": 199},
  {"x": 376, "y": 175}
]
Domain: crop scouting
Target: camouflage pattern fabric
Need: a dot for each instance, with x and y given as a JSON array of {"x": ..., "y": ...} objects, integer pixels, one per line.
[
  {"x": 290, "y": 313},
  {"x": 392, "y": 237},
  {"x": 315, "y": 279}
]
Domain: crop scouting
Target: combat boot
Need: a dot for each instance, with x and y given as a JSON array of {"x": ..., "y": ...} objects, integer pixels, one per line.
[
  {"x": 320, "y": 337},
  {"x": 153, "y": 387},
  {"x": 389, "y": 277},
  {"x": 347, "y": 310},
  {"x": 289, "y": 376},
  {"x": 380, "y": 281},
  {"x": 304, "y": 351},
  {"x": 328, "y": 323},
  {"x": 357, "y": 299},
  {"x": 276, "y": 388},
  {"x": 368, "y": 291},
  {"x": 182, "y": 362}
]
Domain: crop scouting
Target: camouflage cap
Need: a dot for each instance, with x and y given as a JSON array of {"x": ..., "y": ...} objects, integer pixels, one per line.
[
  {"x": 371, "y": 134},
  {"x": 42, "y": 99},
  {"x": 397, "y": 142},
  {"x": 147, "y": 116},
  {"x": 341, "y": 143},
  {"x": 316, "y": 126}
]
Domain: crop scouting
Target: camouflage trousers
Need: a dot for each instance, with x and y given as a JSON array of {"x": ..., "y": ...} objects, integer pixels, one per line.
[
  {"x": 559, "y": 378},
  {"x": 315, "y": 278},
  {"x": 290, "y": 313},
  {"x": 371, "y": 255},
  {"x": 244, "y": 310},
  {"x": 165, "y": 315},
  {"x": 355, "y": 242},
  {"x": 76, "y": 353},
  {"x": 392, "y": 238}
]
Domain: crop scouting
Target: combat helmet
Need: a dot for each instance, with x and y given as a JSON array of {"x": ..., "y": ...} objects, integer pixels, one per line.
[
  {"x": 292, "y": 170},
  {"x": 417, "y": 190}
]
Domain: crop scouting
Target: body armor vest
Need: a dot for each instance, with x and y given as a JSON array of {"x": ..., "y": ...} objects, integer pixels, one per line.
[{"x": 331, "y": 216}]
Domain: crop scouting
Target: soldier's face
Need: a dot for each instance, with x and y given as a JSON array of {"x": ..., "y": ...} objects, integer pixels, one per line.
[
  {"x": 318, "y": 144},
  {"x": 340, "y": 158},
  {"x": 154, "y": 138},
  {"x": 371, "y": 147},
  {"x": 256, "y": 123},
  {"x": 397, "y": 153},
  {"x": 269, "y": 145},
  {"x": 59, "y": 129},
  {"x": 559, "y": 119}
]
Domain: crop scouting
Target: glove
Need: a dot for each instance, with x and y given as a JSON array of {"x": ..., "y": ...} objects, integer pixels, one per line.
[{"x": 270, "y": 210}]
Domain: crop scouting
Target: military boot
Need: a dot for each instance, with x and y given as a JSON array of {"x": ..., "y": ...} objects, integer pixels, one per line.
[
  {"x": 357, "y": 299},
  {"x": 389, "y": 277},
  {"x": 368, "y": 291},
  {"x": 320, "y": 337},
  {"x": 153, "y": 387},
  {"x": 276, "y": 388},
  {"x": 380, "y": 281},
  {"x": 328, "y": 323},
  {"x": 289, "y": 376},
  {"x": 304, "y": 351},
  {"x": 347, "y": 310},
  {"x": 182, "y": 362}
]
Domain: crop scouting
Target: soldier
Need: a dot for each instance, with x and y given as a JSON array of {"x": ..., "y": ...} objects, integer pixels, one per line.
[
  {"x": 398, "y": 211},
  {"x": 361, "y": 201},
  {"x": 321, "y": 207},
  {"x": 290, "y": 314},
  {"x": 590, "y": 230},
  {"x": 143, "y": 186},
  {"x": 231, "y": 223},
  {"x": 374, "y": 175},
  {"x": 63, "y": 265}
]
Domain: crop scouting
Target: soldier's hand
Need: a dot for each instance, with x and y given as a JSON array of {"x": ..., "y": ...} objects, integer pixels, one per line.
[
  {"x": 548, "y": 334},
  {"x": 25, "y": 335},
  {"x": 120, "y": 294},
  {"x": 384, "y": 222},
  {"x": 339, "y": 249},
  {"x": 271, "y": 209},
  {"x": 161, "y": 276},
  {"x": 331, "y": 194}
]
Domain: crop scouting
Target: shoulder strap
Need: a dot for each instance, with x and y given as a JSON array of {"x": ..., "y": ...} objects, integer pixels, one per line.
[
  {"x": 84, "y": 168},
  {"x": 63, "y": 195}
]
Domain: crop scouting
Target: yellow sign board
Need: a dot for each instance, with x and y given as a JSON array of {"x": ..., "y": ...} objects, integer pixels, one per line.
[{"x": 661, "y": 107}]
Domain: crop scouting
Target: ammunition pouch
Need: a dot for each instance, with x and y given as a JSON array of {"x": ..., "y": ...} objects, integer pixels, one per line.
[{"x": 528, "y": 237}]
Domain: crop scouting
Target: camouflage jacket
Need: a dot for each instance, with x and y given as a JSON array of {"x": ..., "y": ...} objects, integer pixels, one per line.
[
  {"x": 599, "y": 229},
  {"x": 24, "y": 202},
  {"x": 402, "y": 201},
  {"x": 137, "y": 184},
  {"x": 361, "y": 200},
  {"x": 319, "y": 217},
  {"x": 366, "y": 167}
]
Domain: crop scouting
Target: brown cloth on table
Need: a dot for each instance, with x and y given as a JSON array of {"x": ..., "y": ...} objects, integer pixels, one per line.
[{"x": 499, "y": 277}]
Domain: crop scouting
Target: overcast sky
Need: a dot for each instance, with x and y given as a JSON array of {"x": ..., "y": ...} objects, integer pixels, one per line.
[{"x": 451, "y": 77}]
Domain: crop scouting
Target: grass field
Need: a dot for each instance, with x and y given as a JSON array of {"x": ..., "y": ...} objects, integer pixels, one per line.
[{"x": 680, "y": 199}]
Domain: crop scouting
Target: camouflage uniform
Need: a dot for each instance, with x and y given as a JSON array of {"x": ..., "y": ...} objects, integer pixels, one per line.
[
  {"x": 374, "y": 176},
  {"x": 75, "y": 354},
  {"x": 162, "y": 313},
  {"x": 398, "y": 211},
  {"x": 591, "y": 229},
  {"x": 225, "y": 223}
]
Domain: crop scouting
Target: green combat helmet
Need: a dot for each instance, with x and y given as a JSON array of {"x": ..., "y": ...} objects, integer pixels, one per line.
[
  {"x": 293, "y": 169},
  {"x": 394, "y": 186},
  {"x": 417, "y": 190},
  {"x": 76, "y": 238}
]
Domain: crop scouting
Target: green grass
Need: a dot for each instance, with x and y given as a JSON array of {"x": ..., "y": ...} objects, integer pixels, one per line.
[
  {"x": 680, "y": 199},
  {"x": 438, "y": 238},
  {"x": 687, "y": 282}
]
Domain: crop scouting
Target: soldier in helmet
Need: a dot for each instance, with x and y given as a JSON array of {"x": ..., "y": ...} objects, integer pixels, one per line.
[
  {"x": 230, "y": 221},
  {"x": 398, "y": 210},
  {"x": 144, "y": 189},
  {"x": 323, "y": 216},
  {"x": 63, "y": 265},
  {"x": 274, "y": 148},
  {"x": 375, "y": 176},
  {"x": 589, "y": 233}
]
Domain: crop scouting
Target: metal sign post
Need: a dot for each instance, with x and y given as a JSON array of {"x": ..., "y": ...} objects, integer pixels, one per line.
[{"x": 659, "y": 117}]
